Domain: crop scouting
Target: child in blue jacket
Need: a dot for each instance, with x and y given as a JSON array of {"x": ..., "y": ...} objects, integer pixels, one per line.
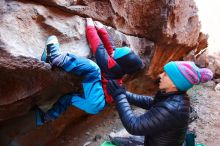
[
  {"x": 113, "y": 62},
  {"x": 91, "y": 101}
]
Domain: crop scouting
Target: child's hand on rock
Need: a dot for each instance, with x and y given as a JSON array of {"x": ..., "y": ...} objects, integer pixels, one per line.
[
  {"x": 89, "y": 22},
  {"x": 98, "y": 25}
]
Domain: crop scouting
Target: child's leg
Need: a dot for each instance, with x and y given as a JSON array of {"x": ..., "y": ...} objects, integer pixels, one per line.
[
  {"x": 92, "y": 101},
  {"x": 58, "y": 108}
]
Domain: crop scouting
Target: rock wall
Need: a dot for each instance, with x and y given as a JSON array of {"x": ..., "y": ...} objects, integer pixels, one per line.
[
  {"x": 214, "y": 64},
  {"x": 158, "y": 30}
]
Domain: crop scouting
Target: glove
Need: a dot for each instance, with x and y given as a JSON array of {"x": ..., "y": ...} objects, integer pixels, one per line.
[{"x": 114, "y": 89}]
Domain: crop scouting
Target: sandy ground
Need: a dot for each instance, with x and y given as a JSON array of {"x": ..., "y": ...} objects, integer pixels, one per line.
[
  {"x": 207, "y": 103},
  {"x": 93, "y": 131}
]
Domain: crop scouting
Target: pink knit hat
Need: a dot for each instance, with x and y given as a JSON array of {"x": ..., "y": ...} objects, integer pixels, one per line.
[{"x": 185, "y": 74}]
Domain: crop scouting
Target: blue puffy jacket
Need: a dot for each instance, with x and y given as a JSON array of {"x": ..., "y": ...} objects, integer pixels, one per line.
[{"x": 164, "y": 124}]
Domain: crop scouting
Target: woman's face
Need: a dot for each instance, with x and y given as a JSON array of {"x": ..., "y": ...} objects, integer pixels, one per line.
[{"x": 165, "y": 82}]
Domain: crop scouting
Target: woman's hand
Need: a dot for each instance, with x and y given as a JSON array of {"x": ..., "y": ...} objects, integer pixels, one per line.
[{"x": 114, "y": 89}]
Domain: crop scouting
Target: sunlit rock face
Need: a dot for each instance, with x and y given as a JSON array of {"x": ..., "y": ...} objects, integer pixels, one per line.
[
  {"x": 157, "y": 30},
  {"x": 214, "y": 64}
]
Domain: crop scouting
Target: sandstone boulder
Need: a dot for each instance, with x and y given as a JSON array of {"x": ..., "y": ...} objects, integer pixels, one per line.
[
  {"x": 217, "y": 88},
  {"x": 158, "y": 30},
  {"x": 214, "y": 64}
]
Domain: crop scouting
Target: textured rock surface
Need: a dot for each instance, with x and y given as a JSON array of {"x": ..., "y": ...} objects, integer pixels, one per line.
[
  {"x": 173, "y": 25},
  {"x": 204, "y": 59},
  {"x": 214, "y": 64},
  {"x": 158, "y": 30},
  {"x": 26, "y": 82}
]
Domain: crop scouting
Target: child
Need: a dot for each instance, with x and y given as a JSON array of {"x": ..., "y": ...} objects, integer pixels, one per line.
[
  {"x": 114, "y": 62},
  {"x": 92, "y": 101}
]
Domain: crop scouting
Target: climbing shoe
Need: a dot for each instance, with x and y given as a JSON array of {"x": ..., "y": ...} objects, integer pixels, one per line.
[
  {"x": 52, "y": 49},
  {"x": 39, "y": 116}
]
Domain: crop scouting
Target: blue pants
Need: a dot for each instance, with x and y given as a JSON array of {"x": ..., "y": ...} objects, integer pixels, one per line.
[{"x": 92, "y": 100}]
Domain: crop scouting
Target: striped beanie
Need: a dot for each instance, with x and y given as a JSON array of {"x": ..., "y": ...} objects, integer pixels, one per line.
[{"x": 185, "y": 74}]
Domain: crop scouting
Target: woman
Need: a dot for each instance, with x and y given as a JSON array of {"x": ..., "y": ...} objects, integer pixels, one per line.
[{"x": 165, "y": 123}]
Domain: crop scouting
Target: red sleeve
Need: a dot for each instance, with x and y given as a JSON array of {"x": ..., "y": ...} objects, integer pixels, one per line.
[
  {"x": 104, "y": 60},
  {"x": 106, "y": 40},
  {"x": 92, "y": 38}
]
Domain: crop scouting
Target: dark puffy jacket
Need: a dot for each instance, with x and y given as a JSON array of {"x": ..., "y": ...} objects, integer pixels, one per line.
[{"x": 164, "y": 124}]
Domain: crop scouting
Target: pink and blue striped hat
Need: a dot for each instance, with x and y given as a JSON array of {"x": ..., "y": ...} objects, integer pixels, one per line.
[{"x": 185, "y": 74}]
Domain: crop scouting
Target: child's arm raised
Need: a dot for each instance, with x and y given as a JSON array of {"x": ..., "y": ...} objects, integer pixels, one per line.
[
  {"x": 103, "y": 34},
  {"x": 104, "y": 60}
]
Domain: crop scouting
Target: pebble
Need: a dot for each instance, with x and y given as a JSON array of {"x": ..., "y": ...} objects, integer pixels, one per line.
[
  {"x": 217, "y": 88},
  {"x": 88, "y": 133},
  {"x": 87, "y": 143},
  {"x": 97, "y": 137}
]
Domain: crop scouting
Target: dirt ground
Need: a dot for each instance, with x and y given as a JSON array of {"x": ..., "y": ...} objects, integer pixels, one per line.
[
  {"x": 207, "y": 103},
  {"x": 95, "y": 130}
]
